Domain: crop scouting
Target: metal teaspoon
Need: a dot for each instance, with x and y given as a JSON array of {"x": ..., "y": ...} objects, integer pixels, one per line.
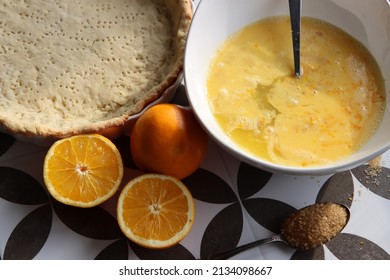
[
  {"x": 300, "y": 229},
  {"x": 295, "y": 18}
]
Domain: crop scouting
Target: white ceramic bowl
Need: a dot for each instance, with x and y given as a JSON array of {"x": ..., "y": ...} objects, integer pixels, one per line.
[{"x": 215, "y": 20}]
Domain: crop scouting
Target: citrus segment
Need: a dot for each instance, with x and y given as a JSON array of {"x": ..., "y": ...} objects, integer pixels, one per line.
[
  {"x": 83, "y": 170},
  {"x": 155, "y": 211}
]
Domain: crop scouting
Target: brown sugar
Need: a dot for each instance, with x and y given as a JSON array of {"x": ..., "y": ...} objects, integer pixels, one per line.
[
  {"x": 314, "y": 225},
  {"x": 375, "y": 166},
  {"x": 373, "y": 170}
]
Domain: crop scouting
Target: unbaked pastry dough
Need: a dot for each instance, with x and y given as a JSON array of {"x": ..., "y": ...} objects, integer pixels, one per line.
[{"x": 84, "y": 65}]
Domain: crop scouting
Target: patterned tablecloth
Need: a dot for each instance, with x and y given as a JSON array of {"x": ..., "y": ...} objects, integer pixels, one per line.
[{"x": 235, "y": 203}]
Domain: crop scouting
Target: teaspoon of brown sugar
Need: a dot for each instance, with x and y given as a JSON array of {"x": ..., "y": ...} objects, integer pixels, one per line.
[{"x": 305, "y": 229}]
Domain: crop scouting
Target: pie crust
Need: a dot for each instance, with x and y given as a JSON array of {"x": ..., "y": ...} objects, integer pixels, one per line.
[{"x": 84, "y": 66}]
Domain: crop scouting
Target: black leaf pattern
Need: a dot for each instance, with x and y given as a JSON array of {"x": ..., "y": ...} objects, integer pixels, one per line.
[
  {"x": 29, "y": 236},
  {"x": 118, "y": 250},
  {"x": 208, "y": 187},
  {"x": 312, "y": 254},
  {"x": 378, "y": 182},
  {"x": 177, "y": 252},
  {"x": 223, "y": 232},
  {"x": 123, "y": 145},
  {"x": 267, "y": 212},
  {"x": 93, "y": 222},
  {"x": 250, "y": 180},
  {"x": 180, "y": 97},
  {"x": 346, "y": 246},
  {"x": 338, "y": 188},
  {"x": 6, "y": 141},
  {"x": 19, "y": 187}
]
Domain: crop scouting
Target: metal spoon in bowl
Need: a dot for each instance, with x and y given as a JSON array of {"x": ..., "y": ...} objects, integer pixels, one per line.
[
  {"x": 295, "y": 18},
  {"x": 307, "y": 228}
]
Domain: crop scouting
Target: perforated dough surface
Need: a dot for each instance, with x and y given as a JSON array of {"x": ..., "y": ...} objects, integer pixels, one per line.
[{"x": 68, "y": 63}]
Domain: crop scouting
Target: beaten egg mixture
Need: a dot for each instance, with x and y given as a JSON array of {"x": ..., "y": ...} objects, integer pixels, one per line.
[{"x": 321, "y": 117}]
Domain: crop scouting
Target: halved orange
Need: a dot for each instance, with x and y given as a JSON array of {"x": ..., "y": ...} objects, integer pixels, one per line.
[
  {"x": 83, "y": 170},
  {"x": 155, "y": 211}
]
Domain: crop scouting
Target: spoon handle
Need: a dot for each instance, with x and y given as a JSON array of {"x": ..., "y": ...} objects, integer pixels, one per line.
[
  {"x": 295, "y": 18},
  {"x": 232, "y": 252}
]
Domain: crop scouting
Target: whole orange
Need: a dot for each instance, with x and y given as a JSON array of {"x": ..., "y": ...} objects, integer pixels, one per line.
[{"x": 167, "y": 139}]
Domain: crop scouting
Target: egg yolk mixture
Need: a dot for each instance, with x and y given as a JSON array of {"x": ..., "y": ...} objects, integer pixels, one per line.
[{"x": 326, "y": 114}]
